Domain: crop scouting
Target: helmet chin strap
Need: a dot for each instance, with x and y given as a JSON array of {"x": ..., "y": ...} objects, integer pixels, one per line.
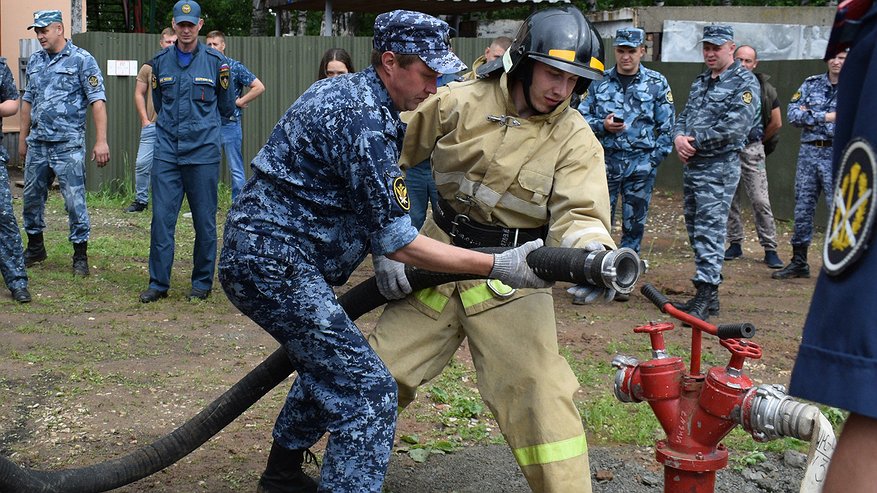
[{"x": 526, "y": 77}]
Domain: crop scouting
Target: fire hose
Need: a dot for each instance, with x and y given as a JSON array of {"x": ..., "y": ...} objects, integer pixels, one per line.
[
  {"x": 698, "y": 410},
  {"x": 619, "y": 269}
]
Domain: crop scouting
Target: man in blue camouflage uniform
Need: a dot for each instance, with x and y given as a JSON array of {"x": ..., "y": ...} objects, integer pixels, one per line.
[
  {"x": 631, "y": 112},
  {"x": 11, "y": 255},
  {"x": 812, "y": 109},
  {"x": 722, "y": 107},
  {"x": 232, "y": 135},
  {"x": 190, "y": 92},
  {"x": 62, "y": 81},
  {"x": 837, "y": 360},
  {"x": 327, "y": 190}
]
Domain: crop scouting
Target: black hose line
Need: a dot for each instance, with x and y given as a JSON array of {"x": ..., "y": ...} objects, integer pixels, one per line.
[{"x": 557, "y": 264}]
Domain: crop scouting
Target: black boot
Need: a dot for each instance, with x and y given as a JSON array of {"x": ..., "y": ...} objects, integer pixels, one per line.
[
  {"x": 284, "y": 474},
  {"x": 80, "y": 259},
  {"x": 701, "y": 305},
  {"x": 35, "y": 251},
  {"x": 798, "y": 267},
  {"x": 689, "y": 305}
]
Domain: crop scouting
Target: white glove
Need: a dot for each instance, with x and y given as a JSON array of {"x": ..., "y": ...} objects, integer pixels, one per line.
[
  {"x": 585, "y": 294},
  {"x": 511, "y": 267},
  {"x": 390, "y": 275}
]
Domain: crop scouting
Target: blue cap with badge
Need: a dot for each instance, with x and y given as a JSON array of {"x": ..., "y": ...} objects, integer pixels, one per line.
[
  {"x": 629, "y": 36},
  {"x": 407, "y": 32},
  {"x": 187, "y": 11},
  {"x": 717, "y": 34},
  {"x": 42, "y": 18}
]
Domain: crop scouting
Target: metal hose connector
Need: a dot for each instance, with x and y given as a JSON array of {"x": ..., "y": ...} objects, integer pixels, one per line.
[
  {"x": 769, "y": 413},
  {"x": 624, "y": 363},
  {"x": 616, "y": 269}
]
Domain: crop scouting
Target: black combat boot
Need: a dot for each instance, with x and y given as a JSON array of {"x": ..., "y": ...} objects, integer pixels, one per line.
[
  {"x": 701, "y": 305},
  {"x": 689, "y": 305},
  {"x": 798, "y": 267},
  {"x": 284, "y": 474},
  {"x": 35, "y": 251},
  {"x": 80, "y": 259}
]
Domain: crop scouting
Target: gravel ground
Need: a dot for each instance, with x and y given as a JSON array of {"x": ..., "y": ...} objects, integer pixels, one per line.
[{"x": 491, "y": 469}]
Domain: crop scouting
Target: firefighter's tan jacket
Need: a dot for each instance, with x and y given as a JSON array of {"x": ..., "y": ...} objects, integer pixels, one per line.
[{"x": 515, "y": 172}]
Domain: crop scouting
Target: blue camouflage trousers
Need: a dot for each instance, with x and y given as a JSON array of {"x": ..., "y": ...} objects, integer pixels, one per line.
[
  {"x": 708, "y": 188},
  {"x": 812, "y": 177},
  {"x": 631, "y": 175},
  {"x": 66, "y": 160},
  {"x": 11, "y": 250},
  {"x": 342, "y": 388}
]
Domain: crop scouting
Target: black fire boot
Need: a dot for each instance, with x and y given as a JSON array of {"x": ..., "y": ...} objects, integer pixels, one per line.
[
  {"x": 35, "y": 251},
  {"x": 707, "y": 295},
  {"x": 80, "y": 259},
  {"x": 284, "y": 474},
  {"x": 798, "y": 267},
  {"x": 689, "y": 305}
]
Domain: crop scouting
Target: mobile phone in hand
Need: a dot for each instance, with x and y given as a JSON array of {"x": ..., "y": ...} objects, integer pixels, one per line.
[{"x": 617, "y": 119}]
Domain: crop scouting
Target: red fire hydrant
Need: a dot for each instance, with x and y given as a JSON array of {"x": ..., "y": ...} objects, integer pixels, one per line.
[{"x": 695, "y": 410}]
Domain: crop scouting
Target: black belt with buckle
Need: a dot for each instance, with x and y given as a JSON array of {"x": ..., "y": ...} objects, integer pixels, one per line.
[
  {"x": 820, "y": 143},
  {"x": 466, "y": 233}
]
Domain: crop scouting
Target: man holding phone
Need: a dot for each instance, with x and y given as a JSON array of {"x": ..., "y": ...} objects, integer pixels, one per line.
[{"x": 631, "y": 112}]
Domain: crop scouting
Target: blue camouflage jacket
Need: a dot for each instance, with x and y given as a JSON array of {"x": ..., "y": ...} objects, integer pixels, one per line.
[
  {"x": 59, "y": 89},
  {"x": 819, "y": 97},
  {"x": 8, "y": 92},
  {"x": 719, "y": 113},
  {"x": 327, "y": 182},
  {"x": 241, "y": 77},
  {"x": 189, "y": 101},
  {"x": 647, "y": 109}
]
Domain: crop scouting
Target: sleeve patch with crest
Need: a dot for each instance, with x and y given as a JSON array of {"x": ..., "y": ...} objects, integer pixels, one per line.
[
  {"x": 92, "y": 81},
  {"x": 400, "y": 193},
  {"x": 853, "y": 208},
  {"x": 669, "y": 96},
  {"x": 796, "y": 96},
  {"x": 224, "y": 75},
  {"x": 747, "y": 97}
]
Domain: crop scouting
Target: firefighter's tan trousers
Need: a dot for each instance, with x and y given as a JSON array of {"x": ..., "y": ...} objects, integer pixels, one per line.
[{"x": 522, "y": 378}]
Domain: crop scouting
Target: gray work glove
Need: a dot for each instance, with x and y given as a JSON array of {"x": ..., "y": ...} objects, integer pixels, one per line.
[
  {"x": 511, "y": 267},
  {"x": 391, "y": 279},
  {"x": 585, "y": 294}
]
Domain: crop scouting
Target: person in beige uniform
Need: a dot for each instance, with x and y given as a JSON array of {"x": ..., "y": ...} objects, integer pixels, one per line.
[{"x": 512, "y": 162}]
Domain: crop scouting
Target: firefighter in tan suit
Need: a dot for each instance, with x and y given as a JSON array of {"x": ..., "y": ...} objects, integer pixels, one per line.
[{"x": 512, "y": 162}]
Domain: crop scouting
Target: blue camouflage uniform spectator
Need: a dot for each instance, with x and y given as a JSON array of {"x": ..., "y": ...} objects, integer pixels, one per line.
[
  {"x": 11, "y": 254},
  {"x": 232, "y": 133},
  {"x": 62, "y": 81},
  {"x": 812, "y": 109},
  {"x": 631, "y": 112},
  {"x": 191, "y": 91},
  {"x": 837, "y": 361},
  {"x": 326, "y": 190},
  {"x": 722, "y": 107}
]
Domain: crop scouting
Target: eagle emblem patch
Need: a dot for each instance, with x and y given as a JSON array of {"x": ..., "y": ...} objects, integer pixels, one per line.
[
  {"x": 92, "y": 81},
  {"x": 400, "y": 193},
  {"x": 224, "y": 75},
  {"x": 853, "y": 208},
  {"x": 747, "y": 97}
]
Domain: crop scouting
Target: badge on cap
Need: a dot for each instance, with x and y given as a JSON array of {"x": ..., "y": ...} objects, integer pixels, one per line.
[
  {"x": 400, "y": 193},
  {"x": 186, "y": 8},
  {"x": 853, "y": 208}
]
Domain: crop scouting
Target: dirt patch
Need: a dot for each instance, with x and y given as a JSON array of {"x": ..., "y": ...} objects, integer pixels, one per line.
[{"x": 89, "y": 373}]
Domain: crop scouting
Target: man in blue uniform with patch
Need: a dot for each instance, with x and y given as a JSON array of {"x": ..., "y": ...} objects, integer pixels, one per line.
[
  {"x": 837, "y": 360},
  {"x": 812, "y": 109},
  {"x": 11, "y": 255},
  {"x": 326, "y": 191},
  {"x": 63, "y": 80},
  {"x": 722, "y": 107},
  {"x": 631, "y": 112},
  {"x": 190, "y": 90}
]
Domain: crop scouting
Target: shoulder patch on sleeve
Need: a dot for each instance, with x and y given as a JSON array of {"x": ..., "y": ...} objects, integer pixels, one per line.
[
  {"x": 224, "y": 75},
  {"x": 400, "y": 193},
  {"x": 796, "y": 96},
  {"x": 746, "y": 97},
  {"x": 853, "y": 208},
  {"x": 669, "y": 96}
]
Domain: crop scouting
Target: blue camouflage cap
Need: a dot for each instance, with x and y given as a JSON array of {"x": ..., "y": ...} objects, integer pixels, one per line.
[
  {"x": 42, "y": 18},
  {"x": 717, "y": 34},
  {"x": 187, "y": 11},
  {"x": 414, "y": 33},
  {"x": 629, "y": 36}
]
